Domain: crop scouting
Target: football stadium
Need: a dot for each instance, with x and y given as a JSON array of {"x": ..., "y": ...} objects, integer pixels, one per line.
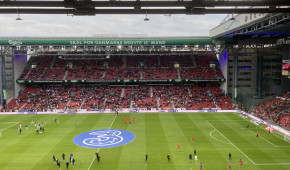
[{"x": 135, "y": 102}]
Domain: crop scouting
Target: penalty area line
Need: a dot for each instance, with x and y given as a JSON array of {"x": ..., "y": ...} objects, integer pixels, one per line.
[
  {"x": 100, "y": 148},
  {"x": 270, "y": 142},
  {"x": 8, "y": 122},
  {"x": 8, "y": 127},
  {"x": 232, "y": 143},
  {"x": 271, "y": 133},
  {"x": 273, "y": 164}
]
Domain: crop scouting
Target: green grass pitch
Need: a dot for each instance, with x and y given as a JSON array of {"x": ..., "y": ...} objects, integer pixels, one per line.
[{"x": 216, "y": 134}]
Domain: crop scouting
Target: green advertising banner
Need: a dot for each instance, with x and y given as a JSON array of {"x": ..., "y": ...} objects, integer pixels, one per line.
[{"x": 130, "y": 42}]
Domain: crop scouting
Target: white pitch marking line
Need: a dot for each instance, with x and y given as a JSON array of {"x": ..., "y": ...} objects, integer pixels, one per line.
[
  {"x": 216, "y": 138},
  {"x": 9, "y": 127},
  {"x": 270, "y": 142},
  {"x": 8, "y": 122},
  {"x": 264, "y": 139},
  {"x": 274, "y": 164},
  {"x": 225, "y": 120},
  {"x": 232, "y": 143},
  {"x": 271, "y": 133},
  {"x": 100, "y": 148}
]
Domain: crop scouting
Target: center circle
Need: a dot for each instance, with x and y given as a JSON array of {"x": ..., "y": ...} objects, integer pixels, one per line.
[{"x": 104, "y": 138}]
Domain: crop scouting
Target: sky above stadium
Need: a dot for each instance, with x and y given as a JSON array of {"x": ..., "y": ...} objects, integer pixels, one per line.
[{"x": 63, "y": 25}]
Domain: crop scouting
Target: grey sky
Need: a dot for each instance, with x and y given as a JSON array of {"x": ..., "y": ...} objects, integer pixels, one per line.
[{"x": 62, "y": 25}]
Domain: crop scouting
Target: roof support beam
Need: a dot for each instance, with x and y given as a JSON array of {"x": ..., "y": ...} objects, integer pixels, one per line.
[
  {"x": 193, "y": 3},
  {"x": 191, "y": 11}
]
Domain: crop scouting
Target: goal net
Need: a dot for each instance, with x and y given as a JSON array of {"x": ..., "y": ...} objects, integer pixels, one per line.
[
  {"x": 287, "y": 138},
  {"x": 282, "y": 136}
]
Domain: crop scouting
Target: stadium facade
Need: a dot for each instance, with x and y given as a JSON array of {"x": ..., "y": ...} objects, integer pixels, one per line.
[{"x": 249, "y": 50}]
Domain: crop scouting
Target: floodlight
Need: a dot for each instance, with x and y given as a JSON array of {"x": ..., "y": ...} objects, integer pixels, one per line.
[
  {"x": 146, "y": 19},
  {"x": 18, "y": 18}
]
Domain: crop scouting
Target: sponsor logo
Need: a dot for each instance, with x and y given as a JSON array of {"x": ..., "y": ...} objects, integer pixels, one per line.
[
  {"x": 15, "y": 42},
  {"x": 104, "y": 138}
]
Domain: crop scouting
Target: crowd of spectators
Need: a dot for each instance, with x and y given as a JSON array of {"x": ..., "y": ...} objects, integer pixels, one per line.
[
  {"x": 122, "y": 73},
  {"x": 160, "y": 73},
  {"x": 101, "y": 97},
  {"x": 54, "y": 67},
  {"x": 119, "y": 97},
  {"x": 199, "y": 73},
  {"x": 276, "y": 110}
]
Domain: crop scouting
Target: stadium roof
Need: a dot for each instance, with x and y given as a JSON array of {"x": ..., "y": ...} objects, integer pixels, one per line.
[
  {"x": 114, "y": 45},
  {"x": 188, "y": 7}
]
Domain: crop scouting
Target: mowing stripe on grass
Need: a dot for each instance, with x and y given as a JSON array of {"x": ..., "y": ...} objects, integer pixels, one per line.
[
  {"x": 100, "y": 148},
  {"x": 232, "y": 143},
  {"x": 206, "y": 147},
  {"x": 157, "y": 143},
  {"x": 175, "y": 134}
]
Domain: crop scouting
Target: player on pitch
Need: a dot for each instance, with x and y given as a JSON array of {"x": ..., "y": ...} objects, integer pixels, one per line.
[
  {"x": 168, "y": 158},
  {"x": 63, "y": 156}
]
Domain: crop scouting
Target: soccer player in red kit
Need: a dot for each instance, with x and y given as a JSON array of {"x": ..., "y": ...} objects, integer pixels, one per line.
[
  {"x": 192, "y": 140},
  {"x": 179, "y": 147},
  {"x": 241, "y": 162},
  {"x": 133, "y": 119},
  {"x": 257, "y": 134}
]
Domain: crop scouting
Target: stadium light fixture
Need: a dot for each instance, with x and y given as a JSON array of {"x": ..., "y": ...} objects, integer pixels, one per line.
[
  {"x": 18, "y": 18},
  {"x": 232, "y": 18},
  {"x": 146, "y": 19}
]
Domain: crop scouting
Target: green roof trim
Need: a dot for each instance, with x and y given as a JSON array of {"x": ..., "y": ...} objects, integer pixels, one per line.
[{"x": 126, "y": 42}]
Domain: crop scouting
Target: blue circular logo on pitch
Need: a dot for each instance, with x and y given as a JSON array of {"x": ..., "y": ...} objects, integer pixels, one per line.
[{"x": 104, "y": 138}]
